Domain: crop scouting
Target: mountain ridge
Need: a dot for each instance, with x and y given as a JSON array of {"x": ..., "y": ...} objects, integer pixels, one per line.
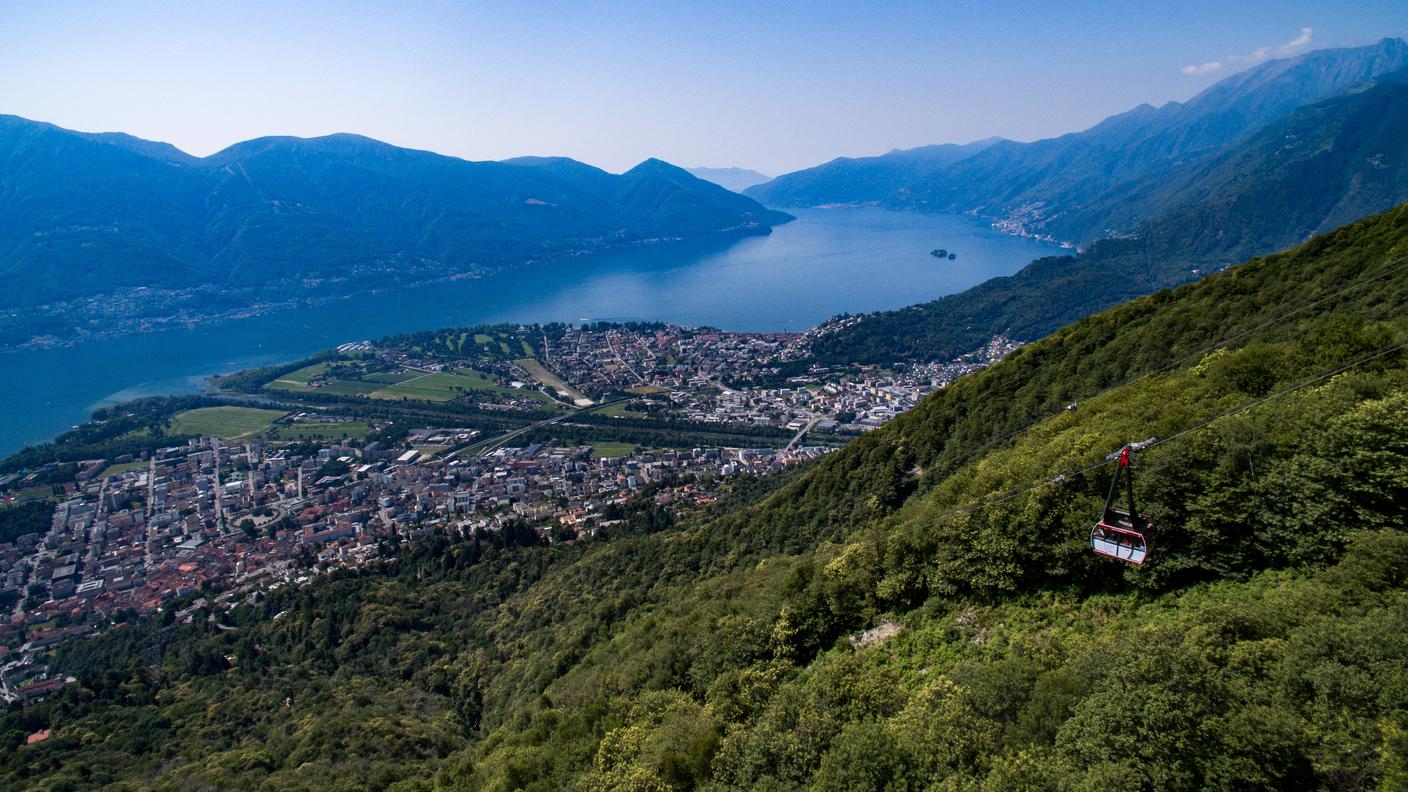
[
  {"x": 735, "y": 179},
  {"x": 89, "y": 214},
  {"x": 1319, "y": 167},
  {"x": 1028, "y": 186}
]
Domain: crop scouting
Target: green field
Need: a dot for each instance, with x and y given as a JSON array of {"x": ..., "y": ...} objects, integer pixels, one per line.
[
  {"x": 226, "y": 422},
  {"x": 320, "y": 430},
  {"x": 435, "y": 387},
  {"x": 622, "y": 409},
  {"x": 443, "y": 386},
  {"x": 114, "y": 470},
  {"x": 389, "y": 377},
  {"x": 609, "y": 449},
  {"x": 297, "y": 380},
  {"x": 39, "y": 492}
]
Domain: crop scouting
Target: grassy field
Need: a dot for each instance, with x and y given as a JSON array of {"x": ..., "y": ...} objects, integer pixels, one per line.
[
  {"x": 226, "y": 422},
  {"x": 541, "y": 374},
  {"x": 600, "y": 450},
  {"x": 39, "y": 492},
  {"x": 646, "y": 390},
  {"x": 622, "y": 409},
  {"x": 389, "y": 377},
  {"x": 435, "y": 387},
  {"x": 297, "y": 380},
  {"x": 113, "y": 470},
  {"x": 443, "y": 386},
  {"x": 321, "y": 431}
]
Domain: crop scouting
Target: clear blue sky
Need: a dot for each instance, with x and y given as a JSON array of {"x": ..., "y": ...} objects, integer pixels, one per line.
[{"x": 773, "y": 86}]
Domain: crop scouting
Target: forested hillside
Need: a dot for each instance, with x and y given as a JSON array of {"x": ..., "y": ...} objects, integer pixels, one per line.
[{"x": 918, "y": 611}]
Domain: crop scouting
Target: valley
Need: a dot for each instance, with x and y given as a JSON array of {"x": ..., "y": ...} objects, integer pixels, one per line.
[
  {"x": 1072, "y": 461},
  {"x": 961, "y": 523}
]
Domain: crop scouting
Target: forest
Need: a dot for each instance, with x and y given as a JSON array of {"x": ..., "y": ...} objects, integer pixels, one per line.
[{"x": 919, "y": 610}]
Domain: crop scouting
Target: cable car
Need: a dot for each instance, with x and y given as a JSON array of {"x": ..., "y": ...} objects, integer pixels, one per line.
[{"x": 1122, "y": 533}]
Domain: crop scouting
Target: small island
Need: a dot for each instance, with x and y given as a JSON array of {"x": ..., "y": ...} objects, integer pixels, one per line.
[{"x": 942, "y": 253}]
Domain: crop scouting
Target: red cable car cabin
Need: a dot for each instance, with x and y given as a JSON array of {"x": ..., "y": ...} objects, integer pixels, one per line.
[{"x": 1122, "y": 533}]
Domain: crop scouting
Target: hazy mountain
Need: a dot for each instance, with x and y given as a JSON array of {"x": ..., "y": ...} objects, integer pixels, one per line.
[
  {"x": 84, "y": 214},
  {"x": 1318, "y": 168},
  {"x": 736, "y": 179},
  {"x": 1032, "y": 186},
  {"x": 847, "y": 180}
]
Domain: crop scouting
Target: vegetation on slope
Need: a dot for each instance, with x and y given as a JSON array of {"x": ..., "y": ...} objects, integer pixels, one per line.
[{"x": 1259, "y": 648}]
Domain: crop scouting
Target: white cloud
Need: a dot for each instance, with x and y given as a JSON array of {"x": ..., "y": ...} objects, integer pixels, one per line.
[
  {"x": 1259, "y": 55},
  {"x": 1203, "y": 68}
]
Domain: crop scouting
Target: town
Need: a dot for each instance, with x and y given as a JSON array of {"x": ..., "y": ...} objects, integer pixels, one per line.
[{"x": 209, "y": 522}]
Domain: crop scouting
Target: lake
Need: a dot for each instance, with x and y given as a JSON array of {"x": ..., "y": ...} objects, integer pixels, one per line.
[{"x": 828, "y": 261}]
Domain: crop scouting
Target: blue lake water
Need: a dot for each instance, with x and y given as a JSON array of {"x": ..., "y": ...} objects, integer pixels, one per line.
[{"x": 828, "y": 261}]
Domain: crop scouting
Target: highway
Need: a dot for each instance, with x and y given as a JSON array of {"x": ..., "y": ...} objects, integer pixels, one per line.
[
  {"x": 486, "y": 447},
  {"x": 815, "y": 419}
]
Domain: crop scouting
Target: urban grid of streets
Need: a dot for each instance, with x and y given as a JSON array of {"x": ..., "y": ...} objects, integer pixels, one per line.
[{"x": 241, "y": 517}]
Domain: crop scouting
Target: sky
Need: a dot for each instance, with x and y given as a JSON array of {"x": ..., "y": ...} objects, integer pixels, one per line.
[{"x": 767, "y": 85}]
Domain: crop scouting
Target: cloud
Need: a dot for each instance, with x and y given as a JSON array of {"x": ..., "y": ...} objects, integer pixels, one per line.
[
  {"x": 1259, "y": 55},
  {"x": 1203, "y": 68}
]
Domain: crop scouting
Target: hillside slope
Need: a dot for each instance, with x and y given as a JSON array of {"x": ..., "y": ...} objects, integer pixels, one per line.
[
  {"x": 857, "y": 180},
  {"x": 1260, "y": 648}
]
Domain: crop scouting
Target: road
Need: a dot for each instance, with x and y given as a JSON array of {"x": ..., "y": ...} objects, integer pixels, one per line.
[
  {"x": 815, "y": 419},
  {"x": 486, "y": 447},
  {"x": 619, "y": 359}
]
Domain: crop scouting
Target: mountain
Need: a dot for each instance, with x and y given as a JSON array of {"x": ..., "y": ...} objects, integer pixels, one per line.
[
  {"x": 1030, "y": 187},
  {"x": 736, "y": 179},
  {"x": 1321, "y": 166},
  {"x": 83, "y": 215},
  {"x": 1313, "y": 170},
  {"x": 881, "y": 179},
  {"x": 919, "y": 610}
]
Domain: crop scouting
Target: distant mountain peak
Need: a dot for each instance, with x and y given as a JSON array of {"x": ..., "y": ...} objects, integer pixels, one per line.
[{"x": 735, "y": 179}]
